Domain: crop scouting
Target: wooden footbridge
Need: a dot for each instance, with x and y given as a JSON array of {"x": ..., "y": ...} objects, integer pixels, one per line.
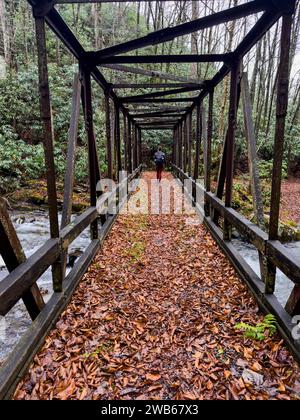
[{"x": 167, "y": 109}]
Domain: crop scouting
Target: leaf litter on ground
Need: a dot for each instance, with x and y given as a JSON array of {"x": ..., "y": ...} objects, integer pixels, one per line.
[{"x": 156, "y": 321}]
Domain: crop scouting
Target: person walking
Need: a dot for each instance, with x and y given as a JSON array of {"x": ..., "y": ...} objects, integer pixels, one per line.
[{"x": 160, "y": 161}]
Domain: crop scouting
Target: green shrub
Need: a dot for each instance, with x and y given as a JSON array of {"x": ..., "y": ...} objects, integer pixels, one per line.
[{"x": 266, "y": 167}]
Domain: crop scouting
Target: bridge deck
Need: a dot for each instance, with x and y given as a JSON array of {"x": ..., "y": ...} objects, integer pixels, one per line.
[{"x": 154, "y": 318}]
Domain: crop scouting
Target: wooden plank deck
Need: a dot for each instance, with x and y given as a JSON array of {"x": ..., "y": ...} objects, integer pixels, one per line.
[{"x": 154, "y": 318}]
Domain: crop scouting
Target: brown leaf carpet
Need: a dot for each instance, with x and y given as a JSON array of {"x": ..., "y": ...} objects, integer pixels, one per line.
[{"x": 154, "y": 318}]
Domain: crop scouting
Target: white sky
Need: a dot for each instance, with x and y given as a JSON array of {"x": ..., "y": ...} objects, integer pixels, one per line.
[{"x": 296, "y": 66}]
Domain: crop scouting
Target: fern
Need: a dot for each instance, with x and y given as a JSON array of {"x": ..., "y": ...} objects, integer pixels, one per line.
[{"x": 258, "y": 332}]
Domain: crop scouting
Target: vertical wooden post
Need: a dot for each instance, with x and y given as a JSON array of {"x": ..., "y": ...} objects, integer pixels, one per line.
[
  {"x": 125, "y": 137},
  {"x": 209, "y": 141},
  {"x": 180, "y": 145},
  {"x": 232, "y": 120},
  {"x": 185, "y": 146},
  {"x": 207, "y": 157},
  {"x": 71, "y": 154},
  {"x": 140, "y": 146},
  {"x": 198, "y": 133},
  {"x": 129, "y": 153},
  {"x": 109, "y": 151},
  {"x": 198, "y": 141},
  {"x": 70, "y": 166},
  {"x": 137, "y": 139},
  {"x": 222, "y": 168},
  {"x": 89, "y": 125},
  {"x": 134, "y": 141},
  {"x": 118, "y": 139},
  {"x": 48, "y": 140},
  {"x": 252, "y": 159},
  {"x": 173, "y": 145},
  {"x": 176, "y": 130},
  {"x": 281, "y": 112},
  {"x": 190, "y": 144},
  {"x": 137, "y": 146}
]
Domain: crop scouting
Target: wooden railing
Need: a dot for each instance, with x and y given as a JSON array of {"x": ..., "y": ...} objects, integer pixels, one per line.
[
  {"x": 20, "y": 280},
  {"x": 272, "y": 251}
]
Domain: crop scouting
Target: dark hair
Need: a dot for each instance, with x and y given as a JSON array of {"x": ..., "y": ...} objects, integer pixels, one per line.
[{"x": 159, "y": 148}]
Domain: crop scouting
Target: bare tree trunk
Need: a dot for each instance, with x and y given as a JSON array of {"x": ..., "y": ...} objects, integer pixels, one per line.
[
  {"x": 255, "y": 71},
  {"x": 148, "y": 15},
  {"x": 96, "y": 13},
  {"x": 5, "y": 33},
  {"x": 194, "y": 40},
  {"x": 269, "y": 75},
  {"x": 58, "y": 51},
  {"x": 252, "y": 153},
  {"x": 24, "y": 33}
]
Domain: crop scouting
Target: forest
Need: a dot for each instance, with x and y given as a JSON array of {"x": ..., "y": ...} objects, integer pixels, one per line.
[{"x": 100, "y": 25}]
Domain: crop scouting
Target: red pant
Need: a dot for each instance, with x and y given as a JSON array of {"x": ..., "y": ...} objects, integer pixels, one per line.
[{"x": 159, "y": 169}]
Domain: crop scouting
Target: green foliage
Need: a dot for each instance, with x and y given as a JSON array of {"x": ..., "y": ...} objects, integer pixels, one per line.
[
  {"x": 21, "y": 150},
  {"x": 151, "y": 141},
  {"x": 258, "y": 332},
  {"x": 19, "y": 107},
  {"x": 19, "y": 160},
  {"x": 266, "y": 167}
]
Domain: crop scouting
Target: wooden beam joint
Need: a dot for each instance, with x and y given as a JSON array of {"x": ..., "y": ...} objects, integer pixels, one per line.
[
  {"x": 42, "y": 8},
  {"x": 286, "y": 7}
]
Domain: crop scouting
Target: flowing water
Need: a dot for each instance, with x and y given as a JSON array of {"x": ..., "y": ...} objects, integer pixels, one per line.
[
  {"x": 33, "y": 231},
  {"x": 284, "y": 285}
]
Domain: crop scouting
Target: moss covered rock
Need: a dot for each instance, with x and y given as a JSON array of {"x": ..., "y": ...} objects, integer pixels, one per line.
[{"x": 34, "y": 194}]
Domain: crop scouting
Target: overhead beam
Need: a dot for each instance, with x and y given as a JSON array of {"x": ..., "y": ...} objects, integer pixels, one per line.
[
  {"x": 159, "y": 121},
  {"x": 141, "y": 116},
  {"x": 164, "y": 93},
  {"x": 100, "y": 1},
  {"x": 169, "y": 127},
  {"x": 168, "y": 34},
  {"x": 157, "y": 109},
  {"x": 168, "y": 122},
  {"x": 156, "y": 100},
  {"x": 265, "y": 23},
  {"x": 157, "y": 116},
  {"x": 64, "y": 33},
  {"x": 269, "y": 18},
  {"x": 93, "y": 58},
  {"x": 155, "y": 85},
  {"x": 158, "y": 128},
  {"x": 172, "y": 124},
  {"x": 151, "y": 73}
]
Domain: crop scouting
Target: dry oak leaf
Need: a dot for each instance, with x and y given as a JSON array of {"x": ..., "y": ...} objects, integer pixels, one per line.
[
  {"x": 67, "y": 391},
  {"x": 153, "y": 377},
  {"x": 227, "y": 374}
]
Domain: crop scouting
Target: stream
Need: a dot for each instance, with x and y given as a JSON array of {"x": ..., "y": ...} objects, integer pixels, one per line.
[
  {"x": 284, "y": 285},
  {"x": 33, "y": 231}
]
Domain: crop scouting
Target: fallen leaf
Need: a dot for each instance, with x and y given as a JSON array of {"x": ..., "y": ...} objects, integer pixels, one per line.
[
  {"x": 153, "y": 377},
  {"x": 227, "y": 374}
]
